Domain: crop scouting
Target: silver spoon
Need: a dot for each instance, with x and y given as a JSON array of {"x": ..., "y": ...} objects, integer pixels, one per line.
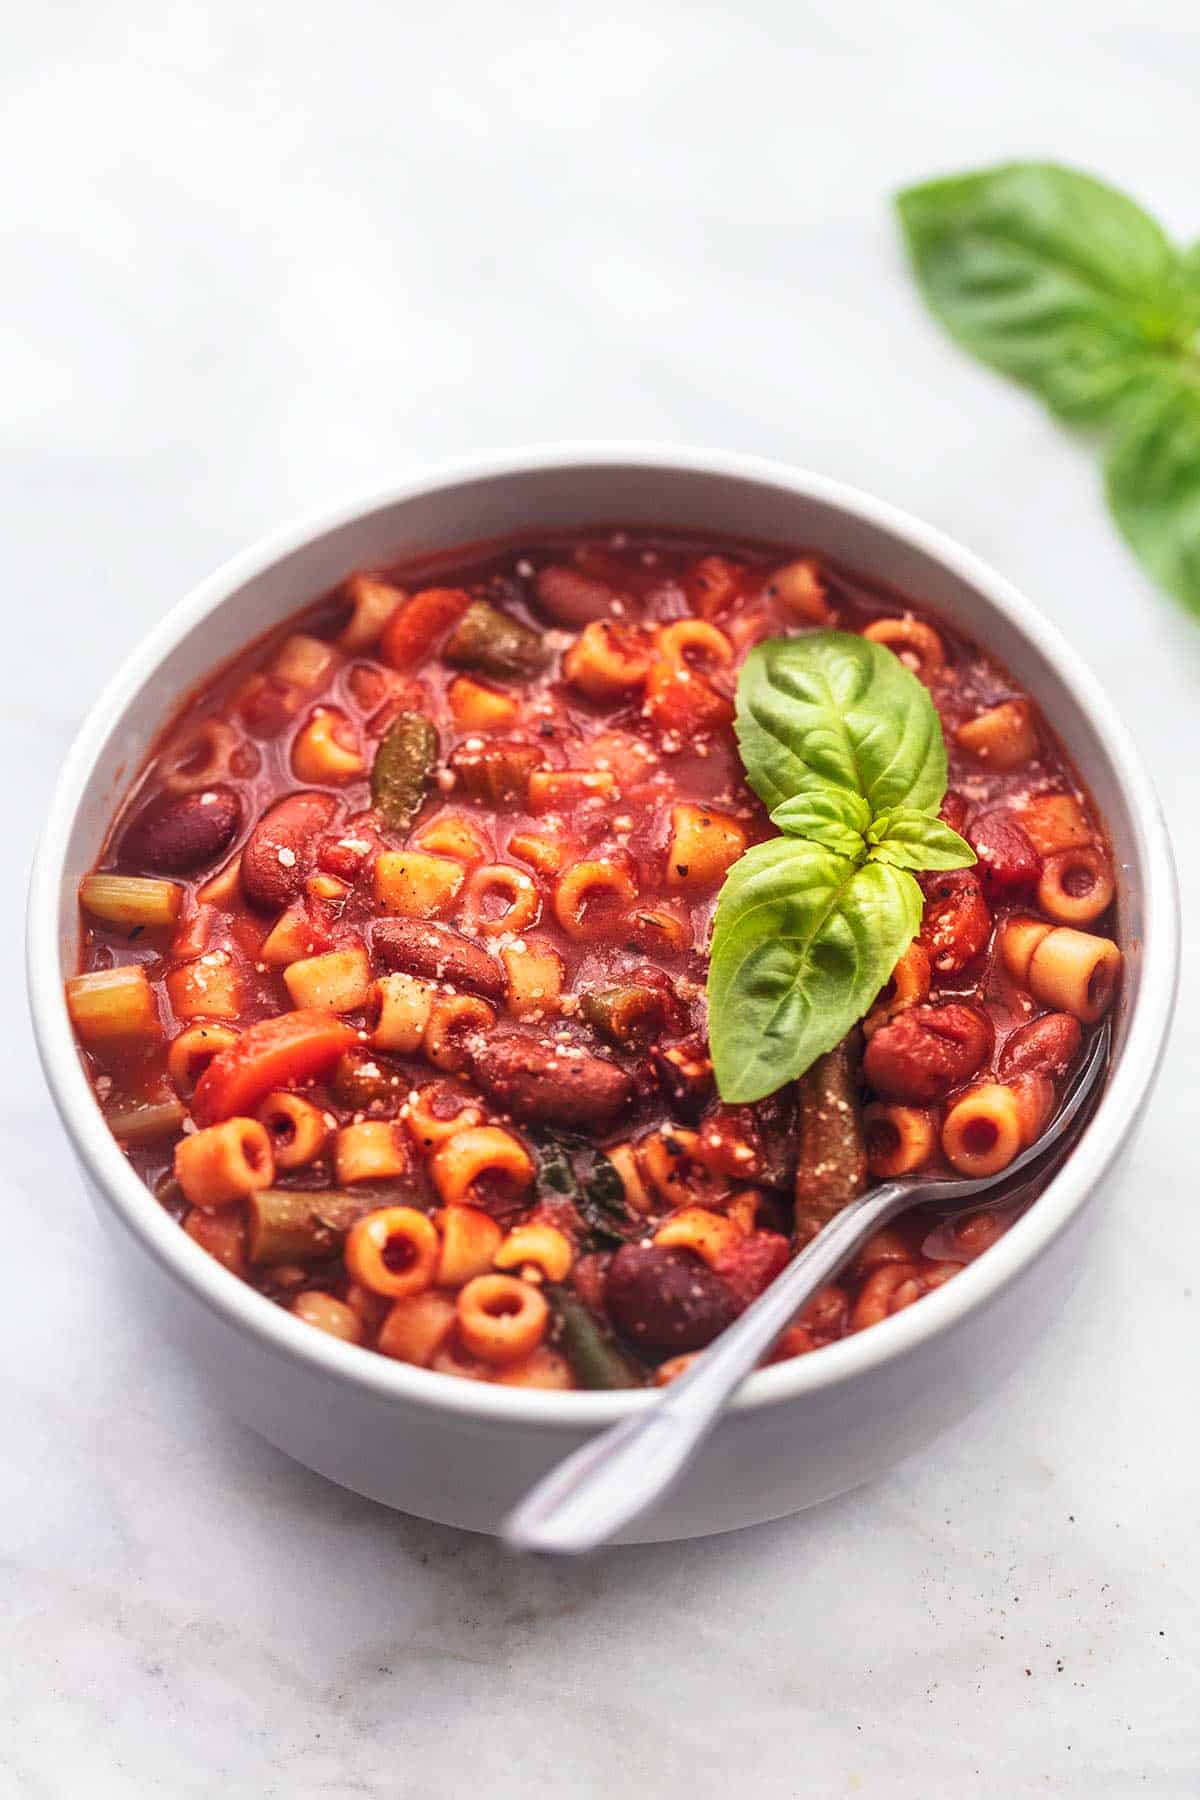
[{"x": 609, "y": 1481}]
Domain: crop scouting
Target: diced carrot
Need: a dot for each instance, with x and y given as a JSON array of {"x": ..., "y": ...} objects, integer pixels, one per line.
[
  {"x": 416, "y": 628},
  {"x": 275, "y": 1053}
]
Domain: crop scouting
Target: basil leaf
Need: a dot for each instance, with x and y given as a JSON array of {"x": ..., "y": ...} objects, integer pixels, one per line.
[
  {"x": 1052, "y": 277},
  {"x": 803, "y": 941},
  {"x": 912, "y": 840},
  {"x": 1191, "y": 275},
  {"x": 1153, "y": 483},
  {"x": 834, "y": 710},
  {"x": 833, "y": 817}
]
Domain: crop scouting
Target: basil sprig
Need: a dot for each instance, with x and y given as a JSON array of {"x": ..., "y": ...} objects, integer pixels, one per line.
[
  {"x": 844, "y": 746},
  {"x": 1070, "y": 287}
]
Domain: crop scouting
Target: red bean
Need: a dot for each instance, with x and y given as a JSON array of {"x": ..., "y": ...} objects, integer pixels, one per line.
[
  {"x": 571, "y": 598},
  {"x": 1048, "y": 1046},
  {"x": 281, "y": 850},
  {"x": 1008, "y": 861},
  {"x": 957, "y": 924},
  {"x": 177, "y": 833},
  {"x": 666, "y": 1301},
  {"x": 437, "y": 953},
  {"x": 547, "y": 1083},
  {"x": 927, "y": 1051}
]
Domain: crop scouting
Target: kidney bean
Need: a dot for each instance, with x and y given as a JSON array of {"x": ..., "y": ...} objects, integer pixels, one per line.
[
  {"x": 956, "y": 924},
  {"x": 176, "y": 833},
  {"x": 571, "y": 598},
  {"x": 927, "y": 1051},
  {"x": 1048, "y": 1046},
  {"x": 281, "y": 849},
  {"x": 752, "y": 1265},
  {"x": 437, "y": 953},
  {"x": 666, "y": 1301},
  {"x": 547, "y": 1083},
  {"x": 1008, "y": 861}
]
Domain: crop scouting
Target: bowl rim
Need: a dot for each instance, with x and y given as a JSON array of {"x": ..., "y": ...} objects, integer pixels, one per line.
[{"x": 278, "y": 1331}]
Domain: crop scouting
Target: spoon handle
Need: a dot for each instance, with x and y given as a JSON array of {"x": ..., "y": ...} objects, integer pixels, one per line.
[{"x": 606, "y": 1483}]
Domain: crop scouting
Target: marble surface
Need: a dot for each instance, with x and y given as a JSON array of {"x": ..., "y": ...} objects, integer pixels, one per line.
[{"x": 258, "y": 256}]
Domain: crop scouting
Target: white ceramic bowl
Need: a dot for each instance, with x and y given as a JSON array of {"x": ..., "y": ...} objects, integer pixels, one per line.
[{"x": 800, "y": 1431}]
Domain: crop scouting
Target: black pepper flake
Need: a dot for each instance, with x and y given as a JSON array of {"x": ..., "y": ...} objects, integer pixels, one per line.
[{"x": 681, "y": 869}]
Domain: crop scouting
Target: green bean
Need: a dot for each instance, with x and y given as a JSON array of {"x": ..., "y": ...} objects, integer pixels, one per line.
[
  {"x": 403, "y": 767},
  {"x": 292, "y": 1225},
  {"x": 627, "y": 1015},
  {"x": 488, "y": 641},
  {"x": 832, "y": 1166},
  {"x": 594, "y": 1361},
  {"x": 143, "y": 1124},
  {"x": 495, "y": 774}
]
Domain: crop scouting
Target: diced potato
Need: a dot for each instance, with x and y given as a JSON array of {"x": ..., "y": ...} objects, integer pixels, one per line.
[
  {"x": 404, "y": 1004},
  {"x": 704, "y": 845},
  {"x": 209, "y": 987},
  {"x": 535, "y": 979},
  {"x": 479, "y": 708},
  {"x": 338, "y": 980},
  {"x": 289, "y": 939},
  {"x": 1056, "y": 822},
  {"x": 415, "y": 884}
]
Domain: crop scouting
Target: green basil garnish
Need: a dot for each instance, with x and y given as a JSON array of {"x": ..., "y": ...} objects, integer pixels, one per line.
[
  {"x": 908, "y": 839},
  {"x": 840, "y": 717},
  {"x": 1069, "y": 286},
  {"x": 845, "y": 746}
]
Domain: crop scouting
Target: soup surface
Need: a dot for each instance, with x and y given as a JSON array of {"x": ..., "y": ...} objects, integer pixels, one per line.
[{"x": 394, "y": 967}]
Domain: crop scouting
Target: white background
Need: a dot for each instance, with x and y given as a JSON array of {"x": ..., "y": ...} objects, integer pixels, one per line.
[{"x": 255, "y": 257}]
